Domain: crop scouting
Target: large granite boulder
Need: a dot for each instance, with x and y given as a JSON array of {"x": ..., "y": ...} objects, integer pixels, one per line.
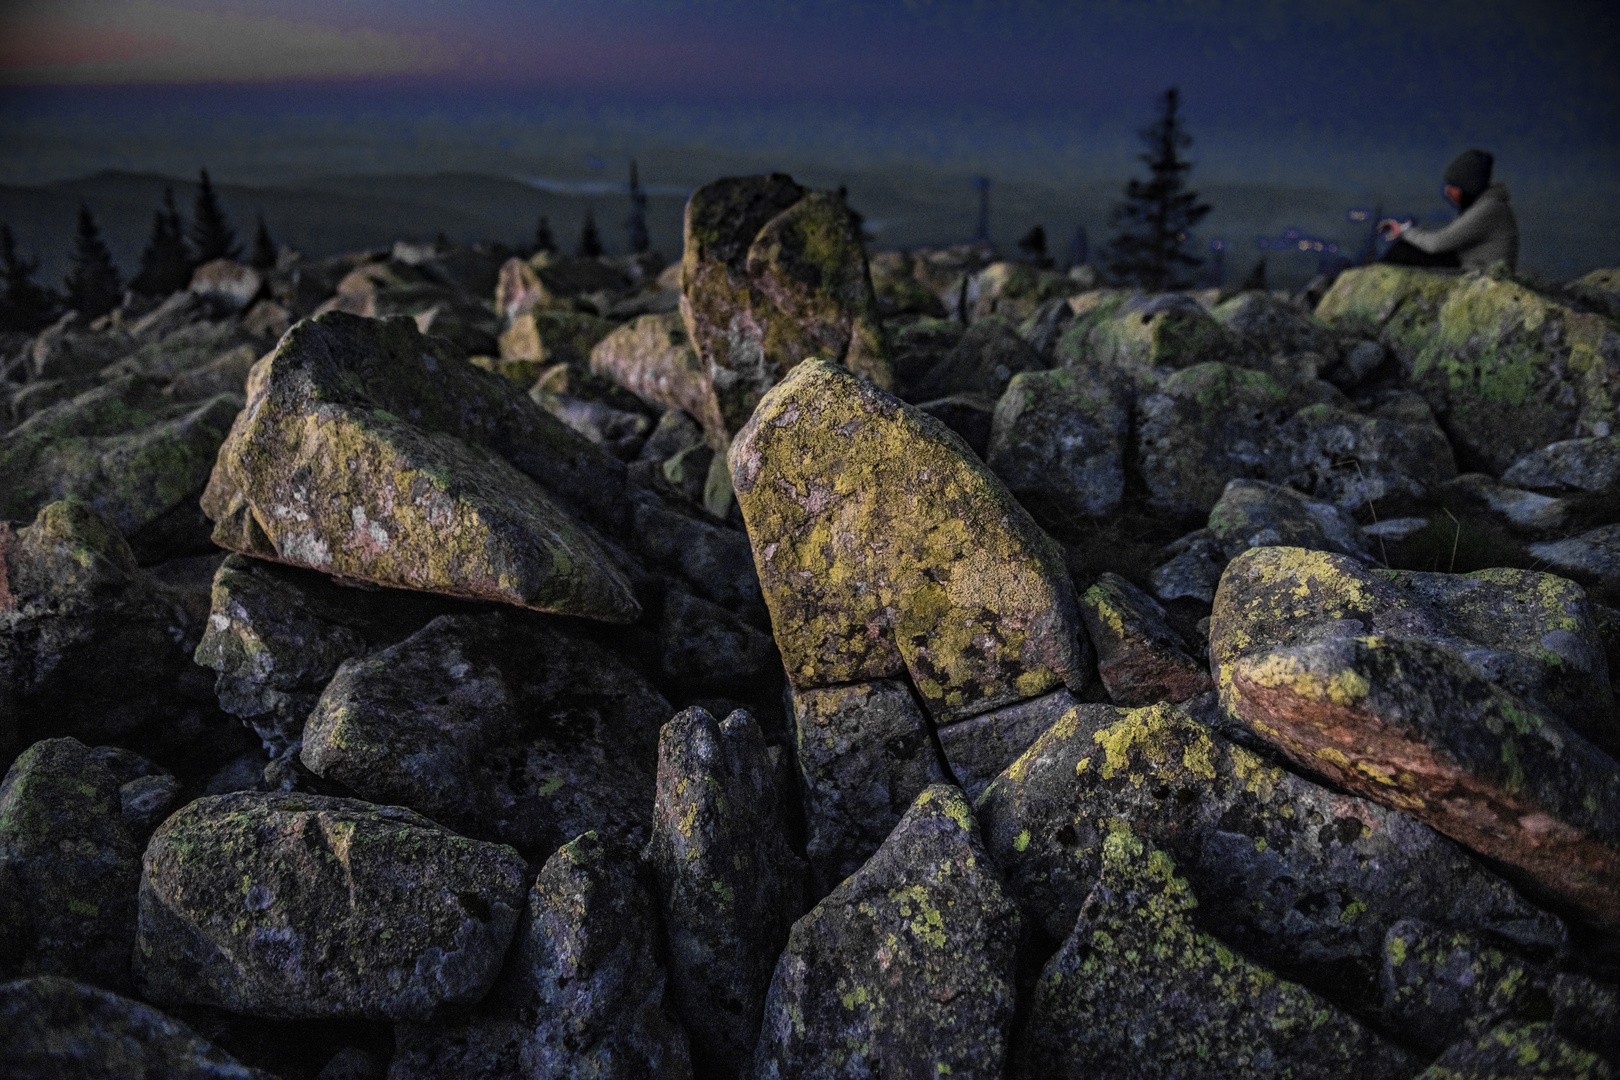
[
  {"x": 69, "y": 867},
  {"x": 981, "y": 361},
  {"x": 1116, "y": 329},
  {"x": 885, "y": 547},
  {"x": 1444, "y": 697},
  {"x": 906, "y": 968},
  {"x": 1137, "y": 990},
  {"x": 653, "y": 359},
  {"x": 370, "y": 451},
  {"x": 306, "y": 906},
  {"x": 726, "y": 881},
  {"x": 1506, "y": 369},
  {"x": 1210, "y": 423},
  {"x": 1391, "y": 456},
  {"x": 773, "y": 274}
]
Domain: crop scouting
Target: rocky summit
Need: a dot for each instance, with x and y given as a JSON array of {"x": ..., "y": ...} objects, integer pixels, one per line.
[{"x": 792, "y": 661}]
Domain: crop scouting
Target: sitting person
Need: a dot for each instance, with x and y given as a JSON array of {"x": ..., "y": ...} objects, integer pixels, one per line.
[{"x": 1485, "y": 230}]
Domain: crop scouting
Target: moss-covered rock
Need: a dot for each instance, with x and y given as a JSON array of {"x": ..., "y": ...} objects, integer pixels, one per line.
[
  {"x": 884, "y": 546},
  {"x": 813, "y": 291},
  {"x": 1013, "y": 290},
  {"x": 69, "y": 867},
  {"x": 728, "y": 884},
  {"x": 370, "y": 451},
  {"x": 73, "y": 601},
  {"x": 703, "y": 648},
  {"x": 502, "y": 727},
  {"x": 917, "y": 347},
  {"x": 652, "y": 357},
  {"x": 303, "y": 906},
  {"x": 1060, "y": 437},
  {"x": 1442, "y": 985},
  {"x": 1506, "y": 369},
  {"x": 1592, "y": 557},
  {"x": 865, "y": 753},
  {"x": 1137, "y": 991},
  {"x": 1390, "y": 457},
  {"x": 1517, "y": 1052},
  {"x": 582, "y": 991},
  {"x": 52, "y": 1027},
  {"x": 544, "y": 338},
  {"x": 1167, "y": 330},
  {"x": 1210, "y": 423},
  {"x": 1253, "y": 513},
  {"x": 1267, "y": 326},
  {"x": 1591, "y": 465},
  {"x": 982, "y": 361},
  {"x": 1533, "y": 634},
  {"x": 905, "y": 969},
  {"x": 773, "y": 274},
  {"x": 1140, "y": 658},
  {"x": 1298, "y": 877},
  {"x": 123, "y": 447},
  {"x": 1410, "y": 724}
]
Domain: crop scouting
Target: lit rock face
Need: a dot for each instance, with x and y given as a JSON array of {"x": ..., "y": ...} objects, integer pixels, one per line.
[
  {"x": 885, "y": 547},
  {"x": 372, "y": 452},
  {"x": 1458, "y": 700}
]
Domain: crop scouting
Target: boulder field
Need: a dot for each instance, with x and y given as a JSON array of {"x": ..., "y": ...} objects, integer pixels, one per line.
[{"x": 793, "y": 662}]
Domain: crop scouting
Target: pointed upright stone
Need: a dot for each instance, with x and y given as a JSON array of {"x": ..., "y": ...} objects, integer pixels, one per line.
[
  {"x": 905, "y": 969},
  {"x": 885, "y": 547}
]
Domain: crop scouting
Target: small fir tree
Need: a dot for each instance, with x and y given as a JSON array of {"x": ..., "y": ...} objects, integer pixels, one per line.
[
  {"x": 639, "y": 241},
  {"x": 264, "y": 248},
  {"x": 211, "y": 235},
  {"x": 543, "y": 240},
  {"x": 93, "y": 288},
  {"x": 25, "y": 305},
  {"x": 1256, "y": 281},
  {"x": 590, "y": 244},
  {"x": 1156, "y": 220},
  {"x": 166, "y": 261}
]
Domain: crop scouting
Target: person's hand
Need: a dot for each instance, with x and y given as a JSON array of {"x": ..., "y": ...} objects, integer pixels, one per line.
[{"x": 1391, "y": 230}]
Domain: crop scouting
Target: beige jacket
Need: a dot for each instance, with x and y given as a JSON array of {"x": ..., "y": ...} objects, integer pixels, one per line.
[{"x": 1483, "y": 234}]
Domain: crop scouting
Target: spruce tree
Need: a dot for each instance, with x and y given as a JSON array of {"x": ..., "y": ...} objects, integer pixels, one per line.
[
  {"x": 1152, "y": 249},
  {"x": 211, "y": 235},
  {"x": 543, "y": 240},
  {"x": 25, "y": 305},
  {"x": 639, "y": 240},
  {"x": 92, "y": 284},
  {"x": 166, "y": 261},
  {"x": 590, "y": 244},
  {"x": 264, "y": 248}
]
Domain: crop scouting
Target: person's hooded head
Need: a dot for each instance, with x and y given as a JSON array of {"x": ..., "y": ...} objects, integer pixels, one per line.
[{"x": 1470, "y": 173}]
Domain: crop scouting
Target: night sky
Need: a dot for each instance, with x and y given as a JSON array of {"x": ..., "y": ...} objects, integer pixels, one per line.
[{"x": 1353, "y": 95}]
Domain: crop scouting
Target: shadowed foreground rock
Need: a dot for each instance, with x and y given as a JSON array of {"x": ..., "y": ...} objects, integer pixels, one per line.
[
  {"x": 69, "y": 867},
  {"x": 295, "y": 906},
  {"x": 885, "y": 547},
  {"x": 1140, "y": 659},
  {"x": 1298, "y": 877},
  {"x": 581, "y": 995},
  {"x": 905, "y": 969},
  {"x": 52, "y": 1028},
  {"x": 1136, "y": 991},
  {"x": 1517, "y": 1052},
  {"x": 727, "y": 882}
]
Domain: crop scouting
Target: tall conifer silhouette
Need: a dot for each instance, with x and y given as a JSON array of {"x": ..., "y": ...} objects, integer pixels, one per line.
[
  {"x": 1153, "y": 248},
  {"x": 93, "y": 287},
  {"x": 25, "y": 304},
  {"x": 166, "y": 261},
  {"x": 211, "y": 235}
]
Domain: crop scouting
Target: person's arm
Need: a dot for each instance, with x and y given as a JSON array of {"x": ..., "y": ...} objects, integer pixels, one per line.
[{"x": 1471, "y": 226}]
